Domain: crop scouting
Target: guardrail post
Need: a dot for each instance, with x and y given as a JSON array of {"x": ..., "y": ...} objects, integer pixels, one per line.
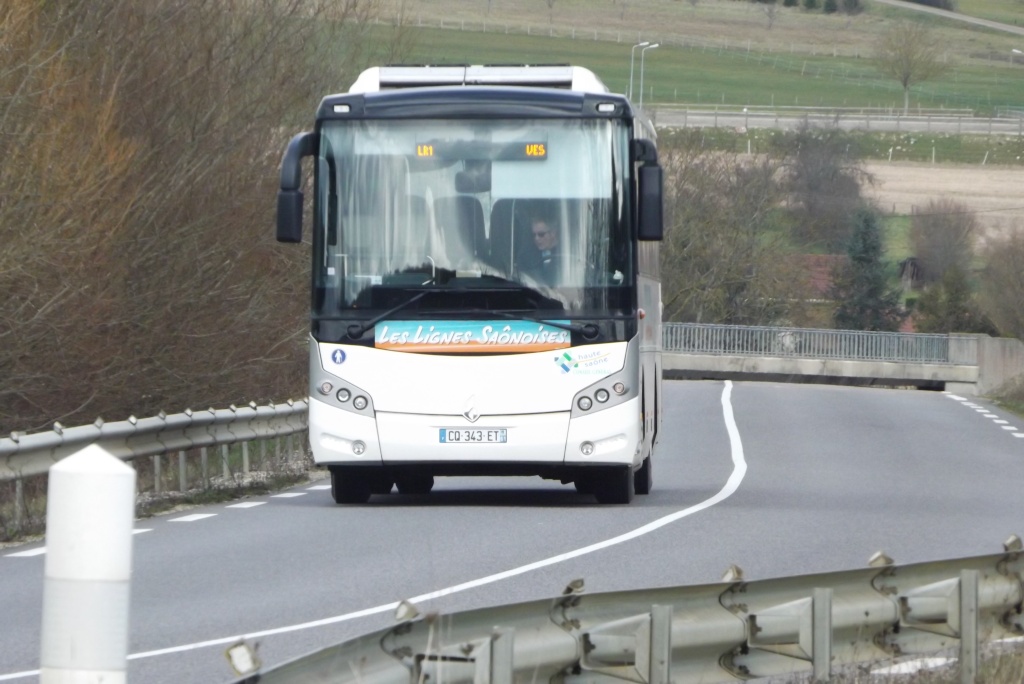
[
  {"x": 224, "y": 461},
  {"x": 182, "y": 472},
  {"x": 204, "y": 467},
  {"x": 245, "y": 457},
  {"x": 661, "y": 645},
  {"x": 500, "y": 665},
  {"x": 19, "y": 503},
  {"x": 90, "y": 512},
  {"x": 968, "y": 626},
  {"x": 821, "y": 643},
  {"x": 156, "y": 474}
]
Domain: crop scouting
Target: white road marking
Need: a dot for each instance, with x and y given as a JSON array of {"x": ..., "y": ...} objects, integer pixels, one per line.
[
  {"x": 193, "y": 517},
  {"x": 287, "y": 495},
  {"x": 739, "y": 471},
  {"x": 247, "y": 504},
  {"x": 316, "y": 487},
  {"x": 142, "y": 529},
  {"x": 987, "y": 413}
]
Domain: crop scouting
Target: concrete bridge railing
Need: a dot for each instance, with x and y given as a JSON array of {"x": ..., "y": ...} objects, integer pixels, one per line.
[{"x": 971, "y": 364}]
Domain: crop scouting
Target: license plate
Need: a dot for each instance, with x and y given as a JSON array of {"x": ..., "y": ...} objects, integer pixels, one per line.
[{"x": 464, "y": 436}]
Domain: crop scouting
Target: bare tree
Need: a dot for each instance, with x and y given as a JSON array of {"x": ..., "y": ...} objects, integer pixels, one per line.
[
  {"x": 823, "y": 177},
  {"x": 771, "y": 13},
  {"x": 943, "y": 238},
  {"x": 140, "y": 145},
  {"x": 551, "y": 9},
  {"x": 720, "y": 262},
  {"x": 909, "y": 53},
  {"x": 403, "y": 36},
  {"x": 1002, "y": 283}
]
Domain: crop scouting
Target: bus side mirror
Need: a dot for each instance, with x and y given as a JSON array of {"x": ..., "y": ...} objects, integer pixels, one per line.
[
  {"x": 289, "y": 197},
  {"x": 650, "y": 204}
]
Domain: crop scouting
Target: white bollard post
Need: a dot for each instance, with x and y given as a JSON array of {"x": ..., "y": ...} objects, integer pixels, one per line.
[{"x": 90, "y": 513}]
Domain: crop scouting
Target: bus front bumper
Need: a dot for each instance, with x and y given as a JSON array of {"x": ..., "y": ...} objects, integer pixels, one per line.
[{"x": 605, "y": 437}]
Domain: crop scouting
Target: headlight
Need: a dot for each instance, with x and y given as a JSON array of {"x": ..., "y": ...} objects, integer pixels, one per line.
[
  {"x": 325, "y": 388},
  {"x": 584, "y": 403},
  {"x": 343, "y": 395},
  {"x": 360, "y": 403},
  {"x": 601, "y": 395}
]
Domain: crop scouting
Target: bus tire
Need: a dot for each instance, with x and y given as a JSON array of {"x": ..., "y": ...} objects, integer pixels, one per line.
[
  {"x": 349, "y": 486},
  {"x": 643, "y": 479},
  {"x": 414, "y": 484},
  {"x": 616, "y": 485}
]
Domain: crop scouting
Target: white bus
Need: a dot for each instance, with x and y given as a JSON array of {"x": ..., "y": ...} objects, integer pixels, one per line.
[{"x": 485, "y": 296}]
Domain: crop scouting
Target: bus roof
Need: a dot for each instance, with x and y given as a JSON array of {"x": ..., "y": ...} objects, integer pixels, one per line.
[{"x": 376, "y": 79}]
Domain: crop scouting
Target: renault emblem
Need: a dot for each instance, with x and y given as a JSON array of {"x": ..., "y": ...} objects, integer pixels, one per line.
[{"x": 471, "y": 414}]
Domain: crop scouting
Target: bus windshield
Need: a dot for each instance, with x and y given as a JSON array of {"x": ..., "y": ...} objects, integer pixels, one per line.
[{"x": 480, "y": 214}]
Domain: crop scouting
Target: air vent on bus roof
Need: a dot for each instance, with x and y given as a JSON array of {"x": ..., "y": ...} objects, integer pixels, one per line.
[{"x": 540, "y": 76}]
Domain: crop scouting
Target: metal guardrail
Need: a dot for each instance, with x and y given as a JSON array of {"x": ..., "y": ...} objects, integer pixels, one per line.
[
  {"x": 734, "y": 630},
  {"x": 851, "y": 345},
  {"x": 26, "y": 455}
]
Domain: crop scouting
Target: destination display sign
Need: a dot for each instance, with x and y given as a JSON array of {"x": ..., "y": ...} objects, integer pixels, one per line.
[
  {"x": 471, "y": 337},
  {"x": 483, "y": 150}
]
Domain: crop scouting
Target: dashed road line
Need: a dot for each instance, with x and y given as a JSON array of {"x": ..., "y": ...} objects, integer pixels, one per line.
[
  {"x": 987, "y": 413},
  {"x": 287, "y": 495},
  {"x": 246, "y": 504},
  {"x": 40, "y": 550},
  {"x": 193, "y": 517}
]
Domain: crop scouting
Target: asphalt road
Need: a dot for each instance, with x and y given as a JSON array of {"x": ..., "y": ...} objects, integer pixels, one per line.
[{"x": 813, "y": 478}]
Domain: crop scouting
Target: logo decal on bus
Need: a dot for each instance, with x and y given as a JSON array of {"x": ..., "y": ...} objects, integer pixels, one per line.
[
  {"x": 338, "y": 356},
  {"x": 470, "y": 336},
  {"x": 585, "y": 362}
]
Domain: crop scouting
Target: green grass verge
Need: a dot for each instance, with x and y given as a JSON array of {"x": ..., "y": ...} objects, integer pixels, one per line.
[{"x": 692, "y": 71}]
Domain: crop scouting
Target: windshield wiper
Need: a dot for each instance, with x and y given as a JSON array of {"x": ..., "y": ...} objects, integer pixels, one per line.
[{"x": 356, "y": 330}]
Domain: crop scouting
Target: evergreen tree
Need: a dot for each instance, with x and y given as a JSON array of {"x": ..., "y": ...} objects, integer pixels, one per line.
[
  {"x": 830, "y": 7},
  {"x": 861, "y": 288},
  {"x": 810, "y": 4}
]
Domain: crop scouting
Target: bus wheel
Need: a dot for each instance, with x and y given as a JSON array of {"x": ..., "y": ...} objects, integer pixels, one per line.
[
  {"x": 415, "y": 484},
  {"x": 616, "y": 486},
  {"x": 349, "y": 486},
  {"x": 643, "y": 479}
]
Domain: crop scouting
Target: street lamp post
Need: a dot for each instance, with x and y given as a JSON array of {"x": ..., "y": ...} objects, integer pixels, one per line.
[
  {"x": 649, "y": 47},
  {"x": 631, "y": 54}
]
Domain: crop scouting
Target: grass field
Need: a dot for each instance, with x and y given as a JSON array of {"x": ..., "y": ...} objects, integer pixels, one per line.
[{"x": 721, "y": 51}]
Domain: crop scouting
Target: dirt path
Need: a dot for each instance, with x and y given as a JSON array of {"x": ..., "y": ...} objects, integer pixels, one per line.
[{"x": 996, "y": 193}]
